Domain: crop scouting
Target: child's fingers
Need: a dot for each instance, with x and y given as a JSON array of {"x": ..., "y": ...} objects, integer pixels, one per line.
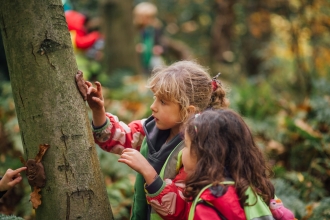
[
  {"x": 14, "y": 173},
  {"x": 15, "y": 181},
  {"x": 90, "y": 90},
  {"x": 89, "y": 84},
  {"x": 9, "y": 171},
  {"x": 97, "y": 101},
  {"x": 19, "y": 170},
  {"x": 98, "y": 86},
  {"x": 11, "y": 174},
  {"x": 128, "y": 150}
]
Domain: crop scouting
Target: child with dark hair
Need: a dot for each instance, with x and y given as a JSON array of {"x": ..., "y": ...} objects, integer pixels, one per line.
[
  {"x": 221, "y": 163},
  {"x": 220, "y": 147}
]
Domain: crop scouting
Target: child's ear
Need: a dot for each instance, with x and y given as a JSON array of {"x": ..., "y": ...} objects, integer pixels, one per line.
[{"x": 191, "y": 109}]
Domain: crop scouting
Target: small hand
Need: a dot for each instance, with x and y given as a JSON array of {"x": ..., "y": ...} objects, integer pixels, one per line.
[
  {"x": 94, "y": 96},
  {"x": 11, "y": 178},
  {"x": 81, "y": 84},
  {"x": 139, "y": 163}
]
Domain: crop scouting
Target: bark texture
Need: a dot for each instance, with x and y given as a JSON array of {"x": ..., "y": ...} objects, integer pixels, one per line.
[{"x": 50, "y": 109}]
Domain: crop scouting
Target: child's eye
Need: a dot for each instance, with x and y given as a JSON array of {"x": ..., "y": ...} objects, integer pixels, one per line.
[{"x": 162, "y": 101}]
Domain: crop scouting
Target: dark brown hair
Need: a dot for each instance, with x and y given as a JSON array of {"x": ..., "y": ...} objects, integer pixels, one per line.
[{"x": 224, "y": 147}]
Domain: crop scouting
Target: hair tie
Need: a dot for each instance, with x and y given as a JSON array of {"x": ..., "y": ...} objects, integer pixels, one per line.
[
  {"x": 196, "y": 116},
  {"x": 215, "y": 82}
]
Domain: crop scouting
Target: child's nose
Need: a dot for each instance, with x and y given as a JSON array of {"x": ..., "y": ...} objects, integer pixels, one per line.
[{"x": 153, "y": 107}]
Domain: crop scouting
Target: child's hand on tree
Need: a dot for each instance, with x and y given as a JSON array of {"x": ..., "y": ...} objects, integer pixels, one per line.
[
  {"x": 94, "y": 96},
  {"x": 11, "y": 178}
]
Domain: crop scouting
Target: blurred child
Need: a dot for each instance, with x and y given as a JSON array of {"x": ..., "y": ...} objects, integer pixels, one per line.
[
  {"x": 85, "y": 34},
  {"x": 10, "y": 179},
  {"x": 180, "y": 89},
  {"x": 149, "y": 45}
]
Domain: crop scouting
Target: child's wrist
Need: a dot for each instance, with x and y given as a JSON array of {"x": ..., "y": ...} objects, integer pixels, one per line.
[
  {"x": 99, "y": 111},
  {"x": 99, "y": 121},
  {"x": 150, "y": 175}
]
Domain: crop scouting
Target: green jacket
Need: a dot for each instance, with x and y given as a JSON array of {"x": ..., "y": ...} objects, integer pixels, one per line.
[{"x": 141, "y": 210}]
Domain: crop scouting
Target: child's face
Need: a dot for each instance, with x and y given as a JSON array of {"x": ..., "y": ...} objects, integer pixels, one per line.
[
  {"x": 189, "y": 159},
  {"x": 143, "y": 19},
  {"x": 166, "y": 114}
]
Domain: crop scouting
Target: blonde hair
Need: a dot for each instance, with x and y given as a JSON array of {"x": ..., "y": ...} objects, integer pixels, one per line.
[
  {"x": 145, "y": 8},
  {"x": 187, "y": 83}
]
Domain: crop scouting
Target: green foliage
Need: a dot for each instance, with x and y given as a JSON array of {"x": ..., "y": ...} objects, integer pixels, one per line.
[
  {"x": 254, "y": 100},
  {"x": 322, "y": 210},
  {"x": 290, "y": 197},
  {"x": 320, "y": 102},
  {"x": 120, "y": 195},
  {"x": 8, "y": 120},
  {"x": 119, "y": 183},
  {"x": 287, "y": 102},
  {"x": 302, "y": 168},
  {"x": 10, "y": 217}
]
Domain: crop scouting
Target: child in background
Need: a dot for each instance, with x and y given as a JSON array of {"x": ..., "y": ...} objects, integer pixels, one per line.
[
  {"x": 219, "y": 147},
  {"x": 149, "y": 43},
  {"x": 10, "y": 179},
  {"x": 180, "y": 89}
]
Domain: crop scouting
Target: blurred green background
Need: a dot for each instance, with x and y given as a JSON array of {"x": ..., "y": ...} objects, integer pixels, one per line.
[{"x": 273, "y": 57}]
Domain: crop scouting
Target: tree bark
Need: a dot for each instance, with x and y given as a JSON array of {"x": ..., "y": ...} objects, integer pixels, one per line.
[
  {"x": 51, "y": 111},
  {"x": 120, "y": 54},
  {"x": 257, "y": 36},
  {"x": 222, "y": 31}
]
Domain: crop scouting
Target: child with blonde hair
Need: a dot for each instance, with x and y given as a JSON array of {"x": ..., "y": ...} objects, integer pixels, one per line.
[
  {"x": 153, "y": 144},
  {"x": 149, "y": 39}
]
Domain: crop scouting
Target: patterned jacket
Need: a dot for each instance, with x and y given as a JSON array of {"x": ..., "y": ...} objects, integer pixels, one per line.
[
  {"x": 170, "y": 203},
  {"x": 115, "y": 135}
]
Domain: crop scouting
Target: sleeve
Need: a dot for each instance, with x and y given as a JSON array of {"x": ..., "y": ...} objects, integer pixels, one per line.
[
  {"x": 2, "y": 192},
  {"x": 169, "y": 201},
  {"x": 115, "y": 135},
  {"x": 86, "y": 41}
]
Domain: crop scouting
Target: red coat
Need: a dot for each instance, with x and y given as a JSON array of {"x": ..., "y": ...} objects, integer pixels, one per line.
[
  {"x": 171, "y": 204},
  {"x": 227, "y": 204},
  {"x": 82, "y": 39}
]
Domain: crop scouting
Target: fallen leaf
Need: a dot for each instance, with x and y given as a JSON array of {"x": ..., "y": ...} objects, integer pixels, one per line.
[
  {"x": 307, "y": 128},
  {"x": 274, "y": 146},
  {"x": 35, "y": 198},
  {"x": 42, "y": 150},
  {"x": 22, "y": 160}
]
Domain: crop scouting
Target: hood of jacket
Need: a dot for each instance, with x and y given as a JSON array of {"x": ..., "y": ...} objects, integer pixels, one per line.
[{"x": 158, "y": 150}]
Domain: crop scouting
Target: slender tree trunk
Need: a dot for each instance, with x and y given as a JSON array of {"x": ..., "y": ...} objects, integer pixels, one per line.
[
  {"x": 120, "y": 54},
  {"x": 50, "y": 109},
  {"x": 222, "y": 31},
  {"x": 257, "y": 36}
]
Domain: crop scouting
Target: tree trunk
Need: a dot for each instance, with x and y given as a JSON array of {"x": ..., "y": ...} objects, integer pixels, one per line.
[
  {"x": 222, "y": 31},
  {"x": 120, "y": 54},
  {"x": 257, "y": 36},
  {"x": 51, "y": 111}
]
